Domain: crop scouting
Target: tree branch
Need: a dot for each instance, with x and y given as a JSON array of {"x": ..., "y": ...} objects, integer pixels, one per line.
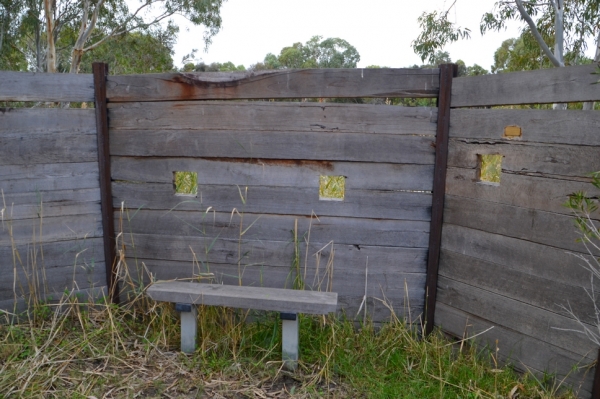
[{"x": 537, "y": 35}]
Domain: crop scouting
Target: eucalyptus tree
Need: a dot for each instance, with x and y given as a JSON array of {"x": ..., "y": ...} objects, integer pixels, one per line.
[{"x": 55, "y": 34}]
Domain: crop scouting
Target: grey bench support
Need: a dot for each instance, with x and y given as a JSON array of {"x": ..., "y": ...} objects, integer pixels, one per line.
[{"x": 288, "y": 302}]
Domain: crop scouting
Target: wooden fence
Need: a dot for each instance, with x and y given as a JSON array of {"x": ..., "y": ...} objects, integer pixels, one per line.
[
  {"x": 504, "y": 262},
  {"x": 51, "y": 236},
  {"x": 258, "y": 219}
]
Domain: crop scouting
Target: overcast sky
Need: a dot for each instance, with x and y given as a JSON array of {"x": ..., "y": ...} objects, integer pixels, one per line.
[{"x": 381, "y": 30}]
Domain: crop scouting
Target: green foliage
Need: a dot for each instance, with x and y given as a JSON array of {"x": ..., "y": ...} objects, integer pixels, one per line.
[
  {"x": 213, "y": 67},
  {"x": 436, "y": 32},
  {"x": 186, "y": 183},
  {"x": 490, "y": 168},
  {"x": 315, "y": 53},
  {"x": 332, "y": 187}
]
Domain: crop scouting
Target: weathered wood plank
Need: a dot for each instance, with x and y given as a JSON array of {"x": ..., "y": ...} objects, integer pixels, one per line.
[
  {"x": 525, "y": 256},
  {"x": 371, "y": 204},
  {"x": 396, "y": 285},
  {"x": 288, "y": 145},
  {"x": 51, "y": 203},
  {"x": 524, "y": 223},
  {"x": 273, "y": 117},
  {"x": 51, "y": 229},
  {"x": 351, "y": 231},
  {"x": 56, "y": 280},
  {"x": 298, "y": 83},
  {"x": 525, "y": 353},
  {"x": 67, "y": 176},
  {"x": 264, "y": 172},
  {"x": 536, "y": 192},
  {"x": 85, "y": 253},
  {"x": 49, "y": 148},
  {"x": 262, "y": 298},
  {"x": 547, "y": 294},
  {"x": 27, "y": 86},
  {"x": 511, "y": 314},
  {"x": 46, "y": 120},
  {"x": 208, "y": 251},
  {"x": 542, "y": 126},
  {"x": 541, "y": 86},
  {"x": 555, "y": 159}
]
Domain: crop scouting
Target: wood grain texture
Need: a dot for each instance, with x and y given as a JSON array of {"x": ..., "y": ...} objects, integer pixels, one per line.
[
  {"x": 408, "y": 286},
  {"x": 373, "y": 204},
  {"x": 51, "y": 229},
  {"x": 209, "y": 251},
  {"x": 524, "y": 256},
  {"x": 541, "y": 126},
  {"x": 288, "y": 145},
  {"x": 523, "y": 223},
  {"x": 550, "y": 295},
  {"x": 46, "y": 120},
  {"x": 524, "y": 353},
  {"x": 535, "y": 192},
  {"x": 48, "y": 148},
  {"x": 511, "y": 314},
  {"x": 260, "y": 298},
  {"x": 27, "y": 86},
  {"x": 543, "y": 86},
  {"x": 351, "y": 231},
  {"x": 299, "y": 83},
  {"x": 40, "y": 180},
  {"x": 259, "y": 172},
  {"x": 555, "y": 160},
  {"x": 273, "y": 117}
]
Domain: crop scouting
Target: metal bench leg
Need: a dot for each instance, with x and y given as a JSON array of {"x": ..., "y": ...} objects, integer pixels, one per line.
[
  {"x": 189, "y": 326},
  {"x": 289, "y": 340}
]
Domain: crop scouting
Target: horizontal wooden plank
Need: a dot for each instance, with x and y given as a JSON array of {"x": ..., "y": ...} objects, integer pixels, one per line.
[
  {"x": 563, "y": 161},
  {"x": 541, "y": 126},
  {"x": 50, "y": 148},
  {"x": 208, "y": 251},
  {"x": 551, "y": 295},
  {"x": 28, "y": 86},
  {"x": 542, "y": 86},
  {"x": 260, "y": 298},
  {"x": 372, "y": 204},
  {"x": 51, "y": 203},
  {"x": 83, "y": 253},
  {"x": 51, "y": 229},
  {"x": 54, "y": 280},
  {"x": 291, "y": 83},
  {"x": 264, "y": 172},
  {"x": 525, "y": 256},
  {"x": 525, "y": 353},
  {"x": 24, "y": 121},
  {"x": 288, "y": 145},
  {"x": 85, "y": 295},
  {"x": 351, "y": 231},
  {"x": 404, "y": 289},
  {"x": 40, "y": 180},
  {"x": 273, "y": 117},
  {"x": 536, "y": 192},
  {"x": 527, "y": 224},
  {"x": 512, "y": 314}
]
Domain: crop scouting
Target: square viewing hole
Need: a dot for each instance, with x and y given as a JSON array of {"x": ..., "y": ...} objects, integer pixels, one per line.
[
  {"x": 331, "y": 188},
  {"x": 185, "y": 183},
  {"x": 489, "y": 168}
]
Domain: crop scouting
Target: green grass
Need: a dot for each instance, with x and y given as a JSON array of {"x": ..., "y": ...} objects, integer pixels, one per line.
[
  {"x": 332, "y": 187},
  {"x": 490, "y": 168},
  {"x": 96, "y": 350}
]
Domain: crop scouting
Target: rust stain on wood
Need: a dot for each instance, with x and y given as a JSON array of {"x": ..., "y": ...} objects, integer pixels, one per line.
[
  {"x": 294, "y": 163},
  {"x": 512, "y": 131}
]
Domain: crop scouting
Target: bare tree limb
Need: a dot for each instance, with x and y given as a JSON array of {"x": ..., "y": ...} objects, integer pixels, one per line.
[{"x": 537, "y": 35}]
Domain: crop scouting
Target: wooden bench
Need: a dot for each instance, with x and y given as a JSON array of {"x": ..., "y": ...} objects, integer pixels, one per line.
[{"x": 289, "y": 303}]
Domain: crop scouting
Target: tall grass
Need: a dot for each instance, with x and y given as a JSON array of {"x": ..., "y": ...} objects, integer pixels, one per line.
[{"x": 86, "y": 348}]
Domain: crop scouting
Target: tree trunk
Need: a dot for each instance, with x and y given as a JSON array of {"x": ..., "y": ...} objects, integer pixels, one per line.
[
  {"x": 51, "y": 49},
  {"x": 592, "y": 105}
]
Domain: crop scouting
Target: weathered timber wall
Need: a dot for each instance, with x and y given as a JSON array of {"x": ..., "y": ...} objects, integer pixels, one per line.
[
  {"x": 51, "y": 234},
  {"x": 258, "y": 168},
  {"x": 504, "y": 260}
]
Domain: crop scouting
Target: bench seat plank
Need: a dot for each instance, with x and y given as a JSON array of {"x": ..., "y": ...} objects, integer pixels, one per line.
[{"x": 259, "y": 298}]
